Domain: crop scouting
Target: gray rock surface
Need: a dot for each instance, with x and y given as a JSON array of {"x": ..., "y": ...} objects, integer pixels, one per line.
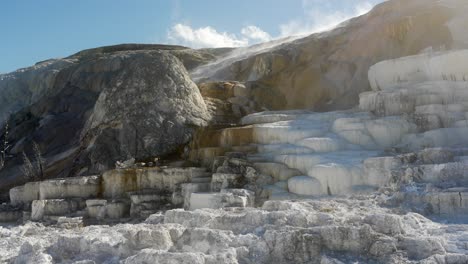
[
  {"x": 366, "y": 180},
  {"x": 151, "y": 108},
  {"x": 348, "y": 230},
  {"x": 99, "y": 106}
]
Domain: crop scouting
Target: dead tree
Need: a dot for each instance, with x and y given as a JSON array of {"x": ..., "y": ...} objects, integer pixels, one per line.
[
  {"x": 5, "y": 145},
  {"x": 33, "y": 169},
  {"x": 39, "y": 162},
  {"x": 28, "y": 169}
]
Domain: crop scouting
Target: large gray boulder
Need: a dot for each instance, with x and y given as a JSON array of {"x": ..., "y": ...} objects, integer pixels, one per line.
[
  {"x": 150, "y": 109},
  {"x": 99, "y": 106}
]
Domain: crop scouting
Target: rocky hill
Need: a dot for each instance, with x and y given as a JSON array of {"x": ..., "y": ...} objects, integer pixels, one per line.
[
  {"x": 328, "y": 70},
  {"x": 102, "y": 105},
  {"x": 164, "y": 154}
]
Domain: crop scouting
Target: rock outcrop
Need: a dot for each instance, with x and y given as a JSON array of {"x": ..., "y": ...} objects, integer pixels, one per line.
[
  {"x": 99, "y": 106},
  {"x": 325, "y": 231},
  {"x": 99, "y": 121},
  {"x": 128, "y": 194},
  {"x": 328, "y": 70},
  {"x": 150, "y": 109},
  {"x": 411, "y": 130},
  {"x": 385, "y": 181}
]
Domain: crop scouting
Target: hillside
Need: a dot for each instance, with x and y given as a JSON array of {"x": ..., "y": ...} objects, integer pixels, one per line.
[{"x": 344, "y": 146}]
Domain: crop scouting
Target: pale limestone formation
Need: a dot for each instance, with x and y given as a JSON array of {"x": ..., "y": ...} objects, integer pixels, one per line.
[
  {"x": 225, "y": 198},
  {"x": 405, "y": 147},
  {"x": 25, "y": 194},
  {"x": 305, "y": 185},
  {"x": 427, "y": 67},
  {"x": 117, "y": 183},
  {"x": 189, "y": 188},
  {"x": 307, "y": 231},
  {"x": 103, "y": 209},
  {"x": 70, "y": 222},
  {"x": 343, "y": 152},
  {"x": 226, "y": 180},
  {"x": 78, "y": 187},
  {"x": 54, "y": 207}
]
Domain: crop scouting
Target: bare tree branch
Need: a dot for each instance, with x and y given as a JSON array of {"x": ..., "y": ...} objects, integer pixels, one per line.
[
  {"x": 33, "y": 169},
  {"x": 28, "y": 169},
  {"x": 39, "y": 162},
  {"x": 4, "y": 147}
]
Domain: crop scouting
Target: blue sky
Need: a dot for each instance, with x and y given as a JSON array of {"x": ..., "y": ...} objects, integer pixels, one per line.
[{"x": 37, "y": 30}]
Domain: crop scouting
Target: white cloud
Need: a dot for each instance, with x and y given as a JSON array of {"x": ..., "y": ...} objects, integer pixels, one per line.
[
  {"x": 209, "y": 37},
  {"x": 363, "y": 8},
  {"x": 204, "y": 37},
  {"x": 319, "y": 15},
  {"x": 255, "y": 33},
  {"x": 317, "y": 20}
]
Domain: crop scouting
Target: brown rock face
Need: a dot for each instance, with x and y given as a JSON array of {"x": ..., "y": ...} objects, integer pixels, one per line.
[{"x": 327, "y": 71}]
